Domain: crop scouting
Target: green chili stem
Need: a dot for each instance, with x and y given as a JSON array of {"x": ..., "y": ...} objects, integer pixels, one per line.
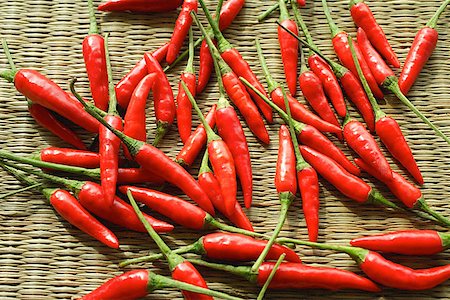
[
  {"x": 298, "y": 18},
  {"x": 284, "y": 14},
  {"x": 422, "y": 205},
  {"x": 222, "y": 43},
  {"x": 204, "y": 167},
  {"x": 242, "y": 271},
  {"x": 32, "y": 184},
  {"x": 272, "y": 84},
  {"x": 112, "y": 106},
  {"x": 190, "y": 62},
  {"x": 271, "y": 276},
  {"x": 218, "y": 9},
  {"x": 182, "y": 56},
  {"x": 8, "y": 55},
  {"x": 93, "y": 28},
  {"x": 433, "y": 21},
  {"x": 30, "y": 187},
  {"x": 333, "y": 27},
  {"x": 268, "y": 12},
  {"x": 221, "y": 226}
]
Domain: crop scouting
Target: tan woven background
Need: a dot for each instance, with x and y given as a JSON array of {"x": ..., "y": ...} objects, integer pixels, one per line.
[{"x": 44, "y": 257}]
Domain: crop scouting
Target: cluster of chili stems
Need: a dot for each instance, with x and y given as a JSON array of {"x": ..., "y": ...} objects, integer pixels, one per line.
[{"x": 230, "y": 156}]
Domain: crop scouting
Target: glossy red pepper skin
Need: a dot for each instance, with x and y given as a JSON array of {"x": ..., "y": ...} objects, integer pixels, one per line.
[
  {"x": 120, "y": 213},
  {"x": 140, "y": 5},
  {"x": 196, "y": 141},
  {"x": 289, "y": 53},
  {"x": 329, "y": 82},
  {"x": 363, "y": 143},
  {"x": 301, "y": 2},
  {"x": 308, "y": 184},
  {"x": 230, "y": 129},
  {"x": 126, "y": 86},
  {"x": 285, "y": 174},
  {"x": 70, "y": 209},
  {"x": 182, "y": 25},
  {"x": 130, "y": 285},
  {"x": 299, "y": 276},
  {"x": 95, "y": 62},
  {"x": 348, "y": 184},
  {"x": 393, "y": 275},
  {"x": 301, "y": 113},
  {"x": 228, "y": 13},
  {"x": 421, "y": 49},
  {"x": 109, "y": 158},
  {"x": 184, "y": 107},
  {"x": 71, "y": 157},
  {"x": 46, "y": 119},
  {"x": 363, "y": 17},
  {"x": 238, "y": 247},
  {"x": 406, "y": 242},
  {"x": 186, "y": 272},
  {"x": 137, "y": 175},
  {"x": 41, "y": 90}
]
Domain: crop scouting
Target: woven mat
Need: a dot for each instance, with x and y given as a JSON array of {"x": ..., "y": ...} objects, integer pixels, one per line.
[{"x": 44, "y": 257}]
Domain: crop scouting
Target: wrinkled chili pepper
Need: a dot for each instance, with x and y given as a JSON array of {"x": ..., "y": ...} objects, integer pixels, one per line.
[
  {"x": 386, "y": 78},
  {"x": 363, "y": 17},
  {"x": 140, "y": 5},
  {"x": 407, "y": 242},
  {"x": 421, "y": 49}
]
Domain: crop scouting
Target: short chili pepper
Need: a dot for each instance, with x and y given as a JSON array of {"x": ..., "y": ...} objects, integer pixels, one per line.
[
  {"x": 238, "y": 64},
  {"x": 137, "y": 284},
  {"x": 211, "y": 186},
  {"x": 70, "y": 209},
  {"x": 128, "y": 83},
  {"x": 386, "y": 78},
  {"x": 421, "y": 49},
  {"x": 237, "y": 92},
  {"x": 180, "y": 31},
  {"x": 390, "y": 133},
  {"x": 298, "y": 276},
  {"x": 363, "y": 17},
  {"x": 407, "y": 242},
  {"x": 184, "y": 107},
  {"x": 298, "y": 110},
  {"x": 46, "y": 119},
  {"x": 140, "y": 5},
  {"x": 342, "y": 50},
  {"x": 196, "y": 141},
  {"x": 154, "y": 160},
  {"x": 221, "y": 159},
  {"x": 289, "y": 48},
  {"x": 95, "y": 62}
]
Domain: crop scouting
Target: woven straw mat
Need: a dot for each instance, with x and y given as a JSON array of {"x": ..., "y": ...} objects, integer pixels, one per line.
[{"x": 44, "y": 257}]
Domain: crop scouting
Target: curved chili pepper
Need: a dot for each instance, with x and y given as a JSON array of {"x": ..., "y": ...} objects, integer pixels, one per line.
[
  {"x": 363, "y": 17},
  {"x": 421, "y": 49},
  {"x": 180, "y": 31},
  {"x": 407, "y": 242},
  {"x": 285, "y": 175},
  {"x": 128, "y": 83},
  {"x": 196, "y": 140},
  {"x": 186, "y": 272},
  {"x": 71, "y": 157},
  {"x": 140, "y": 5},
  {"x": 46, "y": 119}
]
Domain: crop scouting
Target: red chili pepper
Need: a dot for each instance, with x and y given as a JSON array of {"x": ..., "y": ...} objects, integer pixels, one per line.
[
  {"x": 46, "y": 119},
  {"x": 184, "y": 107},
  {"x": 386, "y": 78},
  {"x": 128, "y": 83},
  {"x": 196, "y": 140},
  {"x": 180, "y": 31},
  {"x": 186, "y": 272},
  {"x": 71, "y": 157},
  {"x": 363, "y": 17},
  {"x": 407, "y": 242},
  {"x": 421, "y": 49},
  {"x": 140, "y": 5}
]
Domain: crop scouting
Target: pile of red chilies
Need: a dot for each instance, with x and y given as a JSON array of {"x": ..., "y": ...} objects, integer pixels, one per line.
[{"x": 362, "y": 76}]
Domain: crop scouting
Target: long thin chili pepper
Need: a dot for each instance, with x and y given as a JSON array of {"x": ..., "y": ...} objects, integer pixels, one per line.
[
  {"x": 164, "y": 103},
  {"x": 95, "y": 62},
  {"x": 138, "y": 283},
  {"x": 407, "y": 242},
  {"x": 237, "y": 92},
  {"x": 128, "y": 83},
  {"x": 313, "y": 138},
  {"x": 230, "y": 129},
  {"x": 41, "y": 90},
  {"x": 221, "y": 159},
  {"x": 342, "y": 50},
  {"x": 386, "y": 78},
  {"x": 140, "y": 5},
  {"x": 269, "y": 279},
  {"x": 184, "y": 107},
  {"x": 196, "y": 140},
  {"x": 298, "y": 276},
  {"x": 421, "y": 49},
  {"x": 289, "y": 48},
  {"x": 70, "y": 209},
  {"x": 298, "y": 110},
  {"x": 46, "y": 119},
  {"x": 154, "y": 160},
  {"x": 238, "y": 64},
  {"x": 71, "y": 157},
  {"x": 322, "y": 69},
  {"x": 363, "y": 17}
]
